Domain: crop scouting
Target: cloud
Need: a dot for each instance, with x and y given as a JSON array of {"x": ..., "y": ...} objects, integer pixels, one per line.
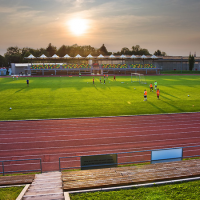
[{"x": 75, "y": 3}]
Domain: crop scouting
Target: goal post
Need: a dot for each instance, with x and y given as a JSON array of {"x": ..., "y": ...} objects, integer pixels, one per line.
[{"x": 136, "y": 77}]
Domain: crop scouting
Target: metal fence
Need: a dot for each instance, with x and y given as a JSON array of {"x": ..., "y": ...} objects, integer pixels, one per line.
[
  {"x": 125, "y": 158},
  {"x": 20, "y": 166}
]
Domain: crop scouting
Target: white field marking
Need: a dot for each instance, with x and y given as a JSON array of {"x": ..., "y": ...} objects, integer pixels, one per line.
[
  {"x": 112, "y": 118},
  {"x": 102, "y": 138},
  {"x": 99, "y": 152},
  {"x": 110, "y": 144}
]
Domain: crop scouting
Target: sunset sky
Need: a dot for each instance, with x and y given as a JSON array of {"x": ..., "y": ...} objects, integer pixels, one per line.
[{"x": 173, "y": 26}]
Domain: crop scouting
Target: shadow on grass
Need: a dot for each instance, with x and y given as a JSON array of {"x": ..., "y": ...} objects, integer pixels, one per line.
[
  {"x": 163, "y": 111},
  {"x": 171, "y": 104},
  {"x": 169, "y": 95},
  {"x": 19, "y": 90}
]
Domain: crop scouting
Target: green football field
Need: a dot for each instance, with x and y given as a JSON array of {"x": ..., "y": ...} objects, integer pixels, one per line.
[{"x": 72, "y": 97}]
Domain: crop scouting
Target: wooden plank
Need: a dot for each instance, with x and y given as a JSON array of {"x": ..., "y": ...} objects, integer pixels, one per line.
[
  {"x": 13, "y": 180},
  {"x": 45, "y": 187},
  {"x": 89, "y": 179},
  {"x": 45, "y": 197},
  {"x": 23, "y": 192}
]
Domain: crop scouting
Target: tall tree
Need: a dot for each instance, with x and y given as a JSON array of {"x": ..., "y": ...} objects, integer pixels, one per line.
[
  {"x": 62, "y": 51},
  {"x": 137, "y": 50},
  {"x": 191, "y": 62},
  {"x": 125, "y": 51},
  {"x": 51, "y": 50},
  {"x": 2, "y": 61},
  {"x": 159, "y": 53},
  {"x": 103, "y": 50},
  {"x": 13, "y": 55}
]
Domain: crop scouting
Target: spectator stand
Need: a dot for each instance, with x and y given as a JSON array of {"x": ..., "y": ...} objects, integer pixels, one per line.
[{"x": 93, "y": 65}]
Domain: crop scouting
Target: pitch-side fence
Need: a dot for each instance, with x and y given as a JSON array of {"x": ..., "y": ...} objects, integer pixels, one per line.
[
  {"x": 98, "y": 160},
  {"x": 32, "y": 164},
  {"x": 125, "y": 158}
]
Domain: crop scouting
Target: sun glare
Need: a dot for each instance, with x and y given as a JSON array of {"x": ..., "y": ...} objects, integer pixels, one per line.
[{"x": 78, "y": 26}]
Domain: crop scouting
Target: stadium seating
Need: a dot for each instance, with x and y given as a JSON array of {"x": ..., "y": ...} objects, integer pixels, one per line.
[
  {"x": 76, "y": 66},
  {"x": 57, "y": 66},
  {"x": 118, "y": 66},
  {"x": 146, "y": 66}
]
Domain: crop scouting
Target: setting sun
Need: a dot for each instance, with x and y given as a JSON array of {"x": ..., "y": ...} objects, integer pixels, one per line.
[{"x": 78, "y": 26}]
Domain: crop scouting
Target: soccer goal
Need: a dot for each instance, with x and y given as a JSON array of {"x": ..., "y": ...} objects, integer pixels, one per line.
[{"x": 136, "y": 77}]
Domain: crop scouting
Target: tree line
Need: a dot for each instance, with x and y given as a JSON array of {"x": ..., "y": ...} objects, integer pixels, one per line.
[{"x": 17, "y": 55}]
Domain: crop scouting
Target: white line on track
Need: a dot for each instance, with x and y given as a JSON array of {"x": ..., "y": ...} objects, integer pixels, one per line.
[
  {"x": 91, "y": 134},
  {"x": 156, "y": 127},
  {"x": 102, "y": 138},
  {"x": 107, "y": 144}
]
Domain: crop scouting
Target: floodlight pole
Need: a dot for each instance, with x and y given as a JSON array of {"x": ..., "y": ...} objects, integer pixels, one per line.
[{"x": 181, "y": 64}]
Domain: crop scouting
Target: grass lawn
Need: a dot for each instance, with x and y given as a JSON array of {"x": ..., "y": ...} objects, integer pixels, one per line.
[
  {"x": 10, "y": 193},
  {"x": 179, "y": 72},
  {"x": 182, "y": 191},
  {"x": 68, "y": 97}
]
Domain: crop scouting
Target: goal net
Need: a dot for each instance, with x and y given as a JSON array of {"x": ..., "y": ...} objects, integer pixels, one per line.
[{"x": 136, "y": 77}]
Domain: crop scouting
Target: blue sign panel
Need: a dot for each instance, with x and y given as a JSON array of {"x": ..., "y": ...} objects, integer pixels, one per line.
[{"x": 166, "y": 155}]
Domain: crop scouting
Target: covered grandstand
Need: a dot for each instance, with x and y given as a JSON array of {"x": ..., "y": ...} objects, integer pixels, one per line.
[{"x": 98, "y": 65}]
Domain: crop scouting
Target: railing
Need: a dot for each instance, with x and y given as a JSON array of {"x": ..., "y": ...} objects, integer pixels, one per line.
[
  {"x": 24, "y": 163},
  {"x": 124, "y": 160}
]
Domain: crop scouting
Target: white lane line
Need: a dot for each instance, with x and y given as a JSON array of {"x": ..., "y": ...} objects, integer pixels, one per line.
[
  {"x": 102, "y": 138},
  {"x": 88, "y": 138},
  {"x": 106, "y": 144},
  {"x": 34, "y": 131}
]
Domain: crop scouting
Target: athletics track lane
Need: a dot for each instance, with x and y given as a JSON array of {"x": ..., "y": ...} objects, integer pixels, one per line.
[{"x": 51, "y": 139}]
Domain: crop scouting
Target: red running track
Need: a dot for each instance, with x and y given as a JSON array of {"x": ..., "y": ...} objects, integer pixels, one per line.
[{"x": 51, "y": 139}]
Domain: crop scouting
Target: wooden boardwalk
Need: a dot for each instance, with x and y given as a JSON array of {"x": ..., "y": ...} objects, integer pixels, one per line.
[
  {"x": 45, "y": 186},
  {"x": 120, "y": 176}
]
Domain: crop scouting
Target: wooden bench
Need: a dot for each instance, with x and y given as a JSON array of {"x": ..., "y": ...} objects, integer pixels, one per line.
[{"x": 100, "y": 178}]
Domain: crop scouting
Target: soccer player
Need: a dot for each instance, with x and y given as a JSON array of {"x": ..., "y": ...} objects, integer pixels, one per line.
[
  {"x": 27, "y": 81},
  {"x": 100, "y": 79},
  {"x": 155, "y": 85},
  {"x": 114, "y": 78},
  {"x": 151, "y": 87},
  {"x": 93, "y": 80},
  {"x": 145, "y": 95},
  {"x": 158, "y": 93}
]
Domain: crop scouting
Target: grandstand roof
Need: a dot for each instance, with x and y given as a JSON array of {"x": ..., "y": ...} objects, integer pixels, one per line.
[{"x": 164, "y": 58}]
